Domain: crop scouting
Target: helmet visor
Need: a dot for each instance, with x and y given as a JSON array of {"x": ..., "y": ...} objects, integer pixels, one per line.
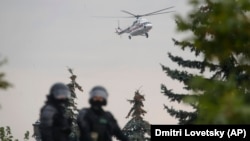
[{"x": 62, "y": 94}]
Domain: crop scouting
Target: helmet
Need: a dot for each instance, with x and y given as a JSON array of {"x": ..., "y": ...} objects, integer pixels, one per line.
[
  {"x": 60, "y": 91},
  {"x": 99, "y": 91}
]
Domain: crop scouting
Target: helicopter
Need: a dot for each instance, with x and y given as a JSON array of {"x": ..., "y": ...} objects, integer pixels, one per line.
[{"x": 141, "y": 26}]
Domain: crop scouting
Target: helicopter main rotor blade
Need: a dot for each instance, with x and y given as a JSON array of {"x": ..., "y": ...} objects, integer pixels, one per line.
[
  {"x": 129, "y": 13},
  {"x": 159, "y": 13},
  {"x": 112, "y": 17},
  {"x": 137, "y": 16},
  {"x": 155, "y": 12}
]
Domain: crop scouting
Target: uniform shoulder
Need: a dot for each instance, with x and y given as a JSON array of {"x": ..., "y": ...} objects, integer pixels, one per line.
[
  {"x": 48, "y": 108},
  {"x": 109, "y": 114},
  {"x": 47, "y": 114},
  {"x": 83, "y": 112}
]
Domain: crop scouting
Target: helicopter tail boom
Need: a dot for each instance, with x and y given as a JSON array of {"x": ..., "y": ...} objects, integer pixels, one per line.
[{"x": 118, "y": 31}]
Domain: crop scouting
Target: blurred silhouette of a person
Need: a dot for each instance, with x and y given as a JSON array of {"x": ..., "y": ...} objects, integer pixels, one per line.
[
  {"x": 55, "y": 124},
  {"x": 96, "y": 124}
]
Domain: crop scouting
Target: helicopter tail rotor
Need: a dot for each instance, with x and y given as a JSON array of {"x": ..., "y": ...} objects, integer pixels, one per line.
[
  {"x": 118, "y": 29},
  {"x": 118, "y": 23}
]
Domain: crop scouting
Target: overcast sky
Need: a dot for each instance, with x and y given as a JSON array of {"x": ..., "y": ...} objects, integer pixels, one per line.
[{"x": 41, "y": 38}]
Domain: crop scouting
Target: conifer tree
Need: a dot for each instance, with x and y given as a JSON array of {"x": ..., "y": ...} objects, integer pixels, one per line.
[
  {"x": 220, "y": 35},
  {"x": 72, "y": 107},
  {"x": 137, "y": 129}
]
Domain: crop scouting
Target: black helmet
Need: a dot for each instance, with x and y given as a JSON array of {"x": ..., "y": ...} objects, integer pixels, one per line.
[
  {"x": 60, "y": 91},
  {"x": 98, "y": 91}
]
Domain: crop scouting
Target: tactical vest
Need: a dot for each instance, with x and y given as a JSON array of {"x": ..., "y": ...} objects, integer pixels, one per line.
[
  {"x": 61, "y": 126},
  {"x": 101, "y": 125}
]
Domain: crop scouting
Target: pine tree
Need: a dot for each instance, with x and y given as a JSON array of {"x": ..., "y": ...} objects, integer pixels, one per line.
[
  {"x": 221, "y": 38},
  {"x": 72, "y": 107},
  {"x": 136, "y": 128}
]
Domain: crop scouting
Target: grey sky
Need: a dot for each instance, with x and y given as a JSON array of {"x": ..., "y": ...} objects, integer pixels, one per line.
[{"x": 41, "y": 38}]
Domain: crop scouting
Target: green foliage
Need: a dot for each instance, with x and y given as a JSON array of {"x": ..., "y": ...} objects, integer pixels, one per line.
[
  {"x": 72, "y": 107},
  {"x": 6, "y": 134},
  {"x": 26, "y": 136},
  {"x": 184, "y": 117},
  {"x": 137, "y": 129},
  {"x": 73, "y": 85},
  {"x": 3, "y": 83},
  {"x": 220, "y": 33},
  {"x": 225, "y": 98},
  {"x": 218, "y": 27},
  {"x": 222, "y": 102}
]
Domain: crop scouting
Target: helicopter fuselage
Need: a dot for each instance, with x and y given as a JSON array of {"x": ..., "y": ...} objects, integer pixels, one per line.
[{"x": 140, "y": 27}]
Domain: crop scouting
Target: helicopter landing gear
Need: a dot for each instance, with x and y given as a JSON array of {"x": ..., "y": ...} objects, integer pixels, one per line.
[
  {"x": 146, "y": 35},
  {"x": 129, "y": 37}
]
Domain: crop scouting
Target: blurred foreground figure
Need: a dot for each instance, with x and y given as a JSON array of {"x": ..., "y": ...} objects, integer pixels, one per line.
[
  {"x": 94, "y": 123},
  {"x": 55, "y": 125}
]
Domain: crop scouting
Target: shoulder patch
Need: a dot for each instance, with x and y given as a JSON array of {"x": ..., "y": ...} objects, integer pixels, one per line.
[{"x": 109, "y": 113}]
